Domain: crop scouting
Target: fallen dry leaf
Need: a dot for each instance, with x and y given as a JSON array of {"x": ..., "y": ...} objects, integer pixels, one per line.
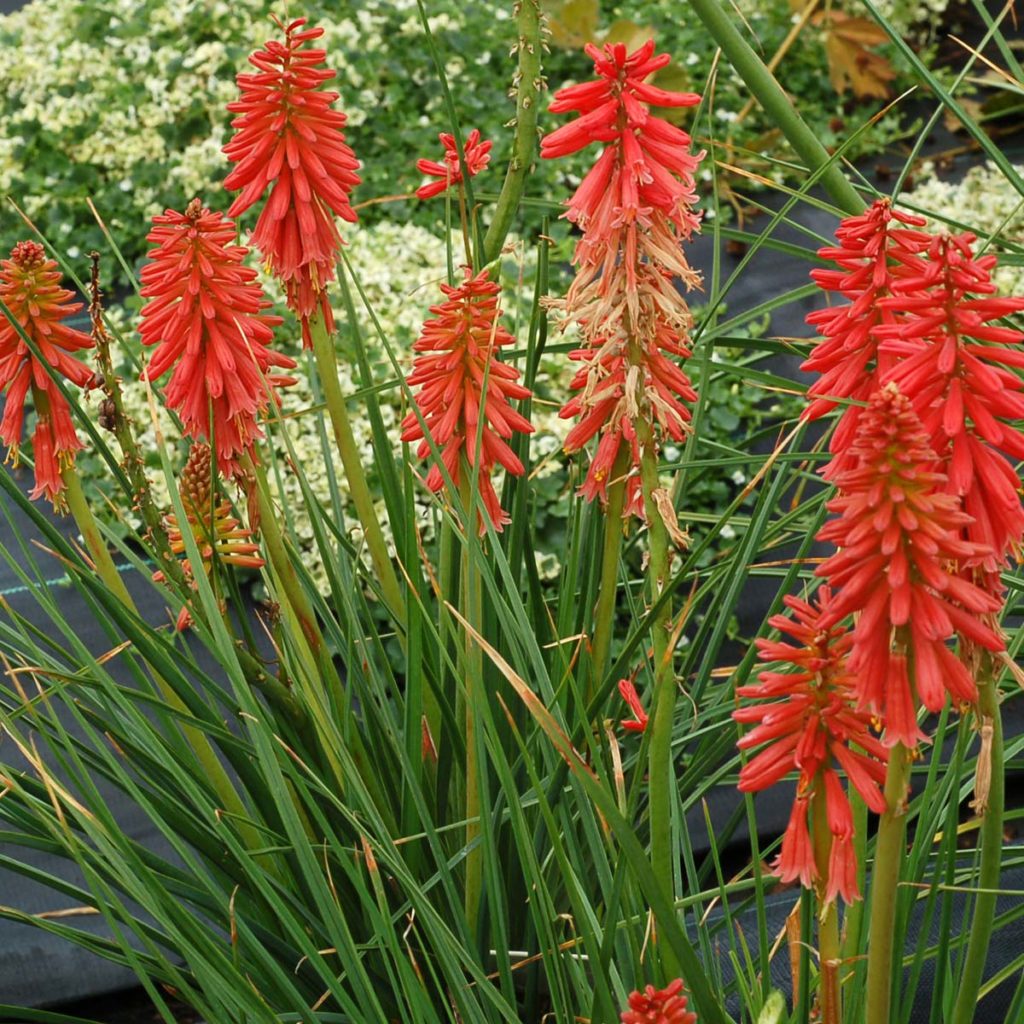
[{"x": 851, "y": 64}]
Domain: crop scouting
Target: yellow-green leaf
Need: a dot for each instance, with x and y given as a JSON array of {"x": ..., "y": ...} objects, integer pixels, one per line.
[{"x": 573, "y": 23}]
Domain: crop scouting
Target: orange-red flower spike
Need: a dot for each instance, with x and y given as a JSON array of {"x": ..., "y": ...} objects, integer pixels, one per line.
[
  {"x": 813, "y": 727},
  {"x": 205, "y": 316},
  {"x": 658, "y": 1006},
  {"x": 900, "y": 540},
  {"x": 289, "y": 141},
  {"x": 30, "y": 287},
  {"x": 460, "y": 378}
]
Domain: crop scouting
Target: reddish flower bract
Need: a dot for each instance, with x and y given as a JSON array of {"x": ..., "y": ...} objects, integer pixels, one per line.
[
  {"x": 290, "y": 141},
  {"x": 205, "y": 315},
  {"x": 635, "y": 208},
  {"x": 658, "y": 1006},
  {"x": 30, "y": 288},
  {"x": 476, "y": 155},
  {"x": 460, "y": 345},
  {"x": 900, "y": 542},
  {"x": 814, "y": 727}
]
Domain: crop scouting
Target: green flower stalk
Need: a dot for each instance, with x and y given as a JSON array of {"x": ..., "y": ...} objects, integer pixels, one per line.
[{"x": 989, "y": 804}]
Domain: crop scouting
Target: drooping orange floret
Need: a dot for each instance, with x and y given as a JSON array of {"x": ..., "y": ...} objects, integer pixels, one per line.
[
  {"x": 870, "y": 249},
  {"x": 627, "y": 691},
  {"x": 290, "y": 141},
  {"x": 30, "y": 287},
  {"x": 899, "y": 535},
  {"x": 958, "y": 369},
  {"x": 658, "y": 1006},
  {"x": 812, "y": 726},
  {"x": 476, "y": 155},
  {"x": 205, "y": 315},
  {"x": 646, "y": 165},
  {"x": 460, "y": 378},
  {"x": 620, "y": 382}
]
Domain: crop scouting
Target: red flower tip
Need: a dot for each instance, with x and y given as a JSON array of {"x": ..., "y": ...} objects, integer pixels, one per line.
[
  {"x": 647, "y": 165},
  {"x": 290, "y": 141},
  {"x": 476, "y": 154},
  {"x": 30, "y": 287},
  {"x": 205, "y": 315},
  {"x": 658, "y": 1006},
  {"x": 460, "y": 379},
  {"x": 900, "y": 540},
  {"x": 871, "y": 248},
  {"x": 960, "y": 370},
  {"x": 638, "y": 723}
]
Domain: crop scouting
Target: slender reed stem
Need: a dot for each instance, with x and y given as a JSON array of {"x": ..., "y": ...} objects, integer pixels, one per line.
[
  {"x": 608, "y": 587},
  {"x": 829, "y": 997},
  {"x": 764, "y": 86},
  {"x": 990, "y": 806},
  {"x": 323, "y": 350},
  {"x": 107, "y": 571},
  {"x": 472, "y": 669},
  {"x": 528, "y": 85},
  {"x": 661, "y": 776},
  {"x": 890, "y": 851},
  {"x": 300, "y": 611}
]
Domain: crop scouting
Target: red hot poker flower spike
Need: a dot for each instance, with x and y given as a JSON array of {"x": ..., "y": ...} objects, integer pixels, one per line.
[
  {"x": 646, "y": 165},
  {"x": 899, "y": 536},
  {"x": 460, "y": 345},
  {"x": 30, "y": 288},
  {"x": 290, "y": 141},
  {"x": 205, "y": 317},
  {"x": 871, "y": 247},
  {"x": 959, "y": 370},
  {"x": 658, "y": 1006},
  {"x": 476, "y": 154},
  {"x": 813, "y": 727},
  {"x": 618, "y": 383}
]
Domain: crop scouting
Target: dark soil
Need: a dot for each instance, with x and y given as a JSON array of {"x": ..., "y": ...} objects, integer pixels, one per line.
[{"x": 132, "y": 1007}]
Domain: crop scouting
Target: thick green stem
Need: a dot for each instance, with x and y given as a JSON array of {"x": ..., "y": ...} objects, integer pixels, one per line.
[
  {"x": 890, "y": 852},
  {"x": 608, "y": 587},
  {"x": 829, "y": 998},
  {"x": 472, "y": 668},
  {"x": 777, "y": 105},
  {"x": 323, "y": 350},
  {"x": 107, "y": 571},
  {"x": 990, "y": 806},
  {"x": 661, "y": 776},
  {"x": 528, "y": 86}
]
